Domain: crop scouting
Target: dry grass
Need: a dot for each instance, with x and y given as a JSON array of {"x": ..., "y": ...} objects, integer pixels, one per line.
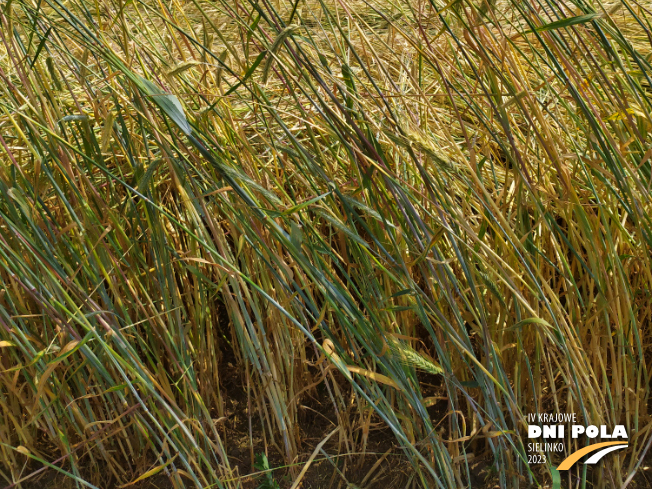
[{"x": 339, "y": 200}]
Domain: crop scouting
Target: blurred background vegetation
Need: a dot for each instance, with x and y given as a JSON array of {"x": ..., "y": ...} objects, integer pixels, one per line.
[{"x": 321, "y": 231}]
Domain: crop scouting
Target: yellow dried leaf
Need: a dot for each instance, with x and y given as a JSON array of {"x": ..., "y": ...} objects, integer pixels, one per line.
[
  {"x": 383, "y": 379},
  {"x": 23, "y": 450},
  {"x": 151, "y": 472},
  {"x": 69, "y": 347}
]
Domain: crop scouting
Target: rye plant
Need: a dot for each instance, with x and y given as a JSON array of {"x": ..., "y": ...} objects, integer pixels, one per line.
[{"x": 349, "y": 200}]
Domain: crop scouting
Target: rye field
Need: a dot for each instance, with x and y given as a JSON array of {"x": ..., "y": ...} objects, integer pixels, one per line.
[{"x": 347, "y": 244}]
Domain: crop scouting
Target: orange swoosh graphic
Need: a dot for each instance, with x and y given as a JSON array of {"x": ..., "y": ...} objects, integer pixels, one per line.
[{"x": 575, "y": 456}]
